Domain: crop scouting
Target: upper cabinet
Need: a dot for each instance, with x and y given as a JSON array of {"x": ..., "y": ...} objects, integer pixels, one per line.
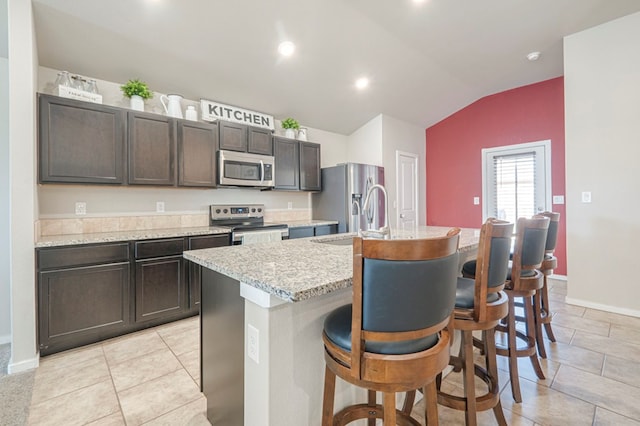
[
  {"x": 239, "y": 137},
  {"x": 80, "y": 142},
  {"x": 152, "y": 149},
  {"x": 297, "y": 165},
  {"x": 197, "y": 154}
]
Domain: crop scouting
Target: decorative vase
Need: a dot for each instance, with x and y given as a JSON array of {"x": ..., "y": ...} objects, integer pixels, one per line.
[
  {"x": 289, "y": 133},
  {"x": 302, "y": 134},
  {"x": 137, "y": 103}
]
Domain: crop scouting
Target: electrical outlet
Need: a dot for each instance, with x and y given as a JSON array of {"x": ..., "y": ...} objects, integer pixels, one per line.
[
  {"x": 290, "y": 205},
  {"x": 476, "y": 201},
  {"x": 81, "y": 208},
  {"x": 160, "y": 206},
  {"x": 253, "y": 343}
]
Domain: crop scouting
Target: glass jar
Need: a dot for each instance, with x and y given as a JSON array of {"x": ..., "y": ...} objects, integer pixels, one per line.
[{"x": 91, "y": 86}]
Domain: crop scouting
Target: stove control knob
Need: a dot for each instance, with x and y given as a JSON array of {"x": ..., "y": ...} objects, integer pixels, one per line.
[
  {"x": 259, "y": 210},
  {"x": 253, "y": 210},
  {"x": 218, "y": 211},
  {"x": 225, "y": 211}
]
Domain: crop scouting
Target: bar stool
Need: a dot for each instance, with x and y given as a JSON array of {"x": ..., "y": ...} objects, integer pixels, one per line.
[
  {"x": 541, "y": 299},
  {"x": 480, "y": 305},
  {"x": 393, "y": 337},
  {"x": 525, "y": 280}
]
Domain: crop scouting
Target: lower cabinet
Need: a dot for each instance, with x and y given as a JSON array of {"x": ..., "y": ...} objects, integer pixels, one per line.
[
  {"x": 311, "y": 231},
  {"x": 88, "y": 293},
  {"x": 80, "y": 302}
]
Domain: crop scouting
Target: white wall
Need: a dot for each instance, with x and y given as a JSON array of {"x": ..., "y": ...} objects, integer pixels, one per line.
[
  {"x": 398, "y": 135},
  {"x": 602, "y": 111},
  {"x": 58, "y": 201},
  {"x": 5, "y": 226},
  {"x": 365, "y": 144},
  {"x": 22, "y": 83}
]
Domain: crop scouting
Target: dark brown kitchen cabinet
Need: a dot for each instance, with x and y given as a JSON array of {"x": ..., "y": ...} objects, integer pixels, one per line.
[
  {"x": 197, "y": 154},
  {"x": 310, "y": 167},
  {"x": 311, "y": 231},
  {"x": 287, "y": 163},
  {"x": 152, "y": 149},
  {"x": 297, "y": 165},
  {"x": 194, "y": 270},
  {"x": 83, "y": 295},
  {"x": 80, "y": 142},
  {"x": 159, "y": 279},
  {"x": 239, "y": 137}
]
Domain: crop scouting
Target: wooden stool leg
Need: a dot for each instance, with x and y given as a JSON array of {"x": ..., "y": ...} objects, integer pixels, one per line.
[
  {"x": 492, "y": 369},
  {"x": 409, "y": 399},
  {"x": 537, "y": 312},
  {"x": 531, "y": 335},
  {"x": 513, "y": 356},
  {"x": 431, "y": 404},
  {"x": 371, "y": 402},
  {"x": 468, "y": 381},
  {"x": 544, "y": 301},
  {"x": 329, "y": 393},
  {"x": 389, "y": 404}
]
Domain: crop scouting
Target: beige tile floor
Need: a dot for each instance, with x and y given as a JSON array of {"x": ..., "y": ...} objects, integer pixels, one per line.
[{"x": 152, "y": 377}]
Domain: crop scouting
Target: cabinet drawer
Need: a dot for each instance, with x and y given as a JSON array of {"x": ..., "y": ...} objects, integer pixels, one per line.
[
  {"x": 197, "y": 243},
  {"x": 49, "y": 258},
  {"x": 159, "y": 248}
]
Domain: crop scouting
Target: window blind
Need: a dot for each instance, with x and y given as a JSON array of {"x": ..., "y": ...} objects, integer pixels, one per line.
[{"x": 514, "y": 192}]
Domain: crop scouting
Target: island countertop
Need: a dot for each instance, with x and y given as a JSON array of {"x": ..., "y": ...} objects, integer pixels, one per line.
[{"x": 300, "y": 269}]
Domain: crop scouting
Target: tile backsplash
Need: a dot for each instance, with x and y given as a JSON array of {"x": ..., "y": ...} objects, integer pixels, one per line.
[{"x": 69, "y": 226}]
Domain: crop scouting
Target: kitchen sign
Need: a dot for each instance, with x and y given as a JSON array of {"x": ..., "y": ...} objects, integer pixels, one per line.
[{"x": 214, "y": 111}]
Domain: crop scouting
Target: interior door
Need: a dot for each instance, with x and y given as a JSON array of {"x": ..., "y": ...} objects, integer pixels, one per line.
[{"x": 407, "y": 189}]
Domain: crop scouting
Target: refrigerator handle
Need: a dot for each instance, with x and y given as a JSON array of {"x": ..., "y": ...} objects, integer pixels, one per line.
[{"x": 369, "y": 212}]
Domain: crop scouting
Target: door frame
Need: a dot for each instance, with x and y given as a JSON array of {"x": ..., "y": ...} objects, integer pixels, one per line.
[{"x": 416, "y": 190}]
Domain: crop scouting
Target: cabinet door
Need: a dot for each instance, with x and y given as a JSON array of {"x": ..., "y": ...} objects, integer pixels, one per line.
[
  {"x": 195, "y": 270},
  {"x": 286, "y": 163},
  {"x": 160, "y": 288},
  {"x": 82, "y": 305},
  {"x": 197, "y": 154},
  {"x": 152, "y": 149},
  {"x": 326, "y": 229},
  {"x": 310, "y": 167},
  {"x": 80, "y": 142},
  {"x": 233, "y": 136},
  {"x": 300, "y": 232},
  {"x": 260, "y": 141}
]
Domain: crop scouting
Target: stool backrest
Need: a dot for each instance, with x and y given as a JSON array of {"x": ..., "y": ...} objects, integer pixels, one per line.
[
  {"x": 403, "y": 290},
  {"x": 492, "y": 263},
  {"x": 552, "y": 235},
  {"x": 528, "y": 254}
]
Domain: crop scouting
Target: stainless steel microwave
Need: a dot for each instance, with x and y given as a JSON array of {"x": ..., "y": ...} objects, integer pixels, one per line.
[{"x": 244, "y": 169}]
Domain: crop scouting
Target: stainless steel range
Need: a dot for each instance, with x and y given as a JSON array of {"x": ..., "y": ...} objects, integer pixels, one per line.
[{"x": 243, "y": 219}]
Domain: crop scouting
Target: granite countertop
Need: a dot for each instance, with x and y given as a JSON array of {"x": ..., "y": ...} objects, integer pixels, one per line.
[
  {"x": 145, "y": 234},
  {"x": 312, "y": 222},
  {"x": 295, "y": 270}
]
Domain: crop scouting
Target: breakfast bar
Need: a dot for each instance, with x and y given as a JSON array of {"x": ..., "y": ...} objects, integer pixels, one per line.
[{"x": 262, "y": 313}]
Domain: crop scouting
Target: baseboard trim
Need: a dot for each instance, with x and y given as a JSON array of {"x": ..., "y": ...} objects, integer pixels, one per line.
[
  {"x": 558, "y": 277},
  {"x": 5, "y": 339},
  {"x": 602, "y": 307},
  {"x": 27, "y": 364}
]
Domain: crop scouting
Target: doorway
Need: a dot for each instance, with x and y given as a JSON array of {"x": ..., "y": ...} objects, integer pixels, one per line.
[{"x": 407, "y": 189}]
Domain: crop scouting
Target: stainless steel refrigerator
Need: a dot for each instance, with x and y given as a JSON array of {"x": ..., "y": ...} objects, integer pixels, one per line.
[{"x": 344, "y": 188}]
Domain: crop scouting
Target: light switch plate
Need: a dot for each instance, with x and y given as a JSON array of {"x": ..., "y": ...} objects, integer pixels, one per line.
[
  {"x": 253, "y": 343},
  {"x": 558, "y": 199},
  {"x": 476, "y": 201},
  {"x": 586, "y": 196}
]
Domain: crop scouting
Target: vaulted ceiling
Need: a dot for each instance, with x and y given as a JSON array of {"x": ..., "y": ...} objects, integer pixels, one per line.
[{"x": 424, "y": 61}]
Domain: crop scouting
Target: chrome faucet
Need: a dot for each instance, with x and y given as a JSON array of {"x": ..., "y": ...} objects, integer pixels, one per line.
[{"x": 385, "y": 231}]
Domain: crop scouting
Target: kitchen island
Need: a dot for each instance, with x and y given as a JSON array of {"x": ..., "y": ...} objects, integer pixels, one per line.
[{"x": 262, "y": 314}]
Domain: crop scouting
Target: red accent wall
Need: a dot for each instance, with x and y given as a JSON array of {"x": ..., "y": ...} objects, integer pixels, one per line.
[{"x": 454, "y": 159}]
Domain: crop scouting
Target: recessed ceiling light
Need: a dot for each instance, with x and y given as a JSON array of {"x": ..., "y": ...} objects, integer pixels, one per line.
[
  {"x": 362, "y": 83},
  {"x": 533, "y": 56},
  {"x": 286, "y": 48},
  {"x": 419, "y": 1}
]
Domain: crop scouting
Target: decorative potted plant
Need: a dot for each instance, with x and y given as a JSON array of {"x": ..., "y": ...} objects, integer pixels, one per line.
[
  {"x": 290, "y": 126},
  {"x": 137, "y": 91}
]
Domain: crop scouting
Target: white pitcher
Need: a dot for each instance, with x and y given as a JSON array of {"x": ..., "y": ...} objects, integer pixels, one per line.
[{"x": 172, "y": 106}]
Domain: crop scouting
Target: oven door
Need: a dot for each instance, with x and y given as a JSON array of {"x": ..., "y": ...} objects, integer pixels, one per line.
[{"x": 243, "y": 169}]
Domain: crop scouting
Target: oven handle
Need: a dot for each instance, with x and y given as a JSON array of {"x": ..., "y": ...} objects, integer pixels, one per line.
[{"x": 236, "y": 237}]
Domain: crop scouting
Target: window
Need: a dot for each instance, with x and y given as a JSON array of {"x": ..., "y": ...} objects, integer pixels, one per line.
[{"x": 516, "y": 180}]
